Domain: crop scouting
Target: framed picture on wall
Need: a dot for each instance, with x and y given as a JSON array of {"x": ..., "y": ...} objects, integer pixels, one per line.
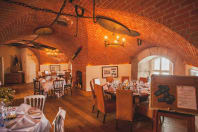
[
  {"x": 108, "y": 71},
  {"x": 54, "y": 68}
]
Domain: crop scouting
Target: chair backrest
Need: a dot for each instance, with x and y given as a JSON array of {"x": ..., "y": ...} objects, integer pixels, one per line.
[
  {"x": 100, "y": 98},
  {"x": 37, "y": 101},
  {"x": 53, "y": 74},
  {"x": 58, "y": 84},
  {"x": 67, "y": 76},
  {"x": 59, "y": 120},
  {"x": 36, "y": 85},
  {"x": 109, "y": 79},
  {"x": 124, "y": 105},
  {"x": 123, "y": 78},
  {"x": 92, "y": 88},
  {"x": 143, "y": 79}
]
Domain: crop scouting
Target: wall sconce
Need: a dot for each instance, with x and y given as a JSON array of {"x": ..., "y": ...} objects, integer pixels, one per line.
[
  {"x": 115, "y": 41},
  {"x": 139, "y": 42}
]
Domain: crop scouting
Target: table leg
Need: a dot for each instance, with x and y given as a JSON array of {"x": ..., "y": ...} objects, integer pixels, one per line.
[
  {"x": 155, "y": 121},
  {"x": 191, "y": 124}
]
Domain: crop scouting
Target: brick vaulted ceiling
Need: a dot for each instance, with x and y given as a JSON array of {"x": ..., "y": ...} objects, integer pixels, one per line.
[{"x": 166, "y": 23}]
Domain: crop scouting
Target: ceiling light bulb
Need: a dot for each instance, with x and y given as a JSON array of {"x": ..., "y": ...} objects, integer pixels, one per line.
[
  {"x": 105, "y": 37},
  {"x": 123, "y": 39},
  {"x": 117, "y": 37}
]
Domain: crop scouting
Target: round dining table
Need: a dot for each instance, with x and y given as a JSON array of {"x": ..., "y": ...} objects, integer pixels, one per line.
[{"x": 28, "y": 119}]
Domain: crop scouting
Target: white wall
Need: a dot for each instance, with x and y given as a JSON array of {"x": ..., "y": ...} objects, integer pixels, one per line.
[
  {"x": 96, "y": 72},
  {"x": 8, "y": 53},
  {"x": 30, "y": 64}
]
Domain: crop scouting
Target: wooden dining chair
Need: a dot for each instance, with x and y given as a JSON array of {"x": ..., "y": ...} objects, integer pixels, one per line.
[
  {"x": 144, "y": 109},
  {"x": 109, "y": 79},
  {"x": 68, "y": 86},
  {"x": 104, "y": 106},
  {"x": 94, "y": 100},
  {"x": 143, "y": 79},
  {"x": 37, "y": 87},
  {"x": 58, "y": 86},
  {"x": 124, "y": 107},
  {"x": 123, "y": 78},
  {"x": 37, "y": 101},
  {"x": 59, "y": 120}
]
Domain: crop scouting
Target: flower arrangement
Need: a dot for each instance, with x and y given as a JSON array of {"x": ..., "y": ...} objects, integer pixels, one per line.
[{"x": 6, "y": 95}]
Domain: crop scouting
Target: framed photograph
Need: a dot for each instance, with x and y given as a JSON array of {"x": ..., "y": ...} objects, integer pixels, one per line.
[
  {"x": 54, "y": 68},
  {"x": 108, "y": 71}
]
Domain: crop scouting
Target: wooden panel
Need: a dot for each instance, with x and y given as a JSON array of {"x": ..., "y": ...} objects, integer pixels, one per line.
[
  {"x": 14, "y": 78},
  {"x": 171, "y": 82}
]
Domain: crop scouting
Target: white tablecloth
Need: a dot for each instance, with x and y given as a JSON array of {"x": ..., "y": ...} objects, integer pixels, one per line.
[
  {"x": 48, "y": 85},
  {"x": 40, "y": 125}
]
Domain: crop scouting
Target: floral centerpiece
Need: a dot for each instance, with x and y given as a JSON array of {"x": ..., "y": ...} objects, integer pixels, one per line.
[{"x": 6, "y": 95}]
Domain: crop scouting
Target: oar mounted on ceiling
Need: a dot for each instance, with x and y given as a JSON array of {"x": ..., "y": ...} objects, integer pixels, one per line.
[{"x": 77, "y": 52}]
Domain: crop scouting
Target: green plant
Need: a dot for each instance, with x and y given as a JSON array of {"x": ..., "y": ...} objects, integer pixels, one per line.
[{"x": 6, "y": 95}]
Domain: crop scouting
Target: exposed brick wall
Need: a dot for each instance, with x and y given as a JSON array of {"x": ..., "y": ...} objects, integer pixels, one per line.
[
  {"x": 152, "y": 34},
  {"x": 179, "y": 15},
  {"x": 164, "y": 23}
]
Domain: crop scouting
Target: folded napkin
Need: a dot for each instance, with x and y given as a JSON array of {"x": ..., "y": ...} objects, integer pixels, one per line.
[
  {"x": 144, "y": 91},
  {"x": 34, "y": 113},
  {"x": 42, "y": 80},
  {"x": 22, "y": 122},
  {"x": 105, "y": 87},
  {"x": 23, "y": 109}
]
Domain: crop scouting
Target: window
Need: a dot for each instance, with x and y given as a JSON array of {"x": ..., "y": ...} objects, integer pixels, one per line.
[
  {"x": 194, "y": 72},
  {"x": 161, "y": 65}
]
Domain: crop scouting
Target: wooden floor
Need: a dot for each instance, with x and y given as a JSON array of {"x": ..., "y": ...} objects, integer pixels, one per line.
[{"x": 79, "y": 117}]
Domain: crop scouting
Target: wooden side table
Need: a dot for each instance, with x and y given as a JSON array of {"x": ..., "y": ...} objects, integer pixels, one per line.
[{"x": 189, "y": 118}]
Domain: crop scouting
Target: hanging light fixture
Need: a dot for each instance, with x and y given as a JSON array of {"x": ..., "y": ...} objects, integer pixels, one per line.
[
  {"x": 115, "y": 40},
  {"x": 52, "y": 52}
]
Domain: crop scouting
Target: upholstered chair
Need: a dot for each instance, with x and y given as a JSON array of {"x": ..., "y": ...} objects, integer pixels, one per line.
[
  {"x": 94, "y": 101},
  {"x": 109, "y": 79},
  {"x": 143, "y": 79},
  {"x": 123, "y": 78},
  {"x": 124, "y": 107},
  {"x": 104, "y": 106}
]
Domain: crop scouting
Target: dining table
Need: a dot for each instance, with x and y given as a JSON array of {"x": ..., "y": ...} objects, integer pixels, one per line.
[
  {"x": 141, "y": 92},
  {"x": 24, "y": 118},
  {"x": 48, "y": 85}
]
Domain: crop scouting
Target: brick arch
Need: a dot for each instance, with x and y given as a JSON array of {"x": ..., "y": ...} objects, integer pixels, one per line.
[
  {"x": 176, "y": 59},
  {"x": 152, "y": 33},
  {"x": 27, "y": 20},
  {"x": 180, "y": 16}
]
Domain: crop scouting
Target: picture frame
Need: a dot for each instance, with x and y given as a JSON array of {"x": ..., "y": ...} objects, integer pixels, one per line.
[
  {"x": 54, "y": 68},
  {"x": 108, "y": 71}
]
